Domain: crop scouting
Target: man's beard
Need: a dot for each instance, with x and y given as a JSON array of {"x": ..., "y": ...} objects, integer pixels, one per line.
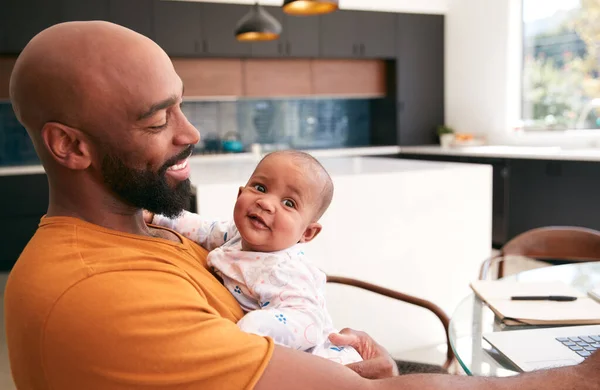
[{"x": 146, "y": 189}]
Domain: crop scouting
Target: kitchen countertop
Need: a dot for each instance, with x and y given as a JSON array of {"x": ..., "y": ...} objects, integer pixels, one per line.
[
  {"x": 210, "y": 172},
  {"x": 230, "y": 157},
  {"x": 516, "y": 152}
]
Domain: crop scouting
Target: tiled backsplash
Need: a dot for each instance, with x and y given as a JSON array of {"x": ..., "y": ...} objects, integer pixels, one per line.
[{"x": 279, "y": 123}]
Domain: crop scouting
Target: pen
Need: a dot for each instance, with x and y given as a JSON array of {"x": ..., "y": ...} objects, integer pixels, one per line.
[{"x": 559, "y": 298}]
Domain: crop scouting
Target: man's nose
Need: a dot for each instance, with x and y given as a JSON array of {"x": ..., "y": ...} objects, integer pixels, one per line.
[
  {"x": 266, "y": 203},
  {"x": 187, "y": 134}
]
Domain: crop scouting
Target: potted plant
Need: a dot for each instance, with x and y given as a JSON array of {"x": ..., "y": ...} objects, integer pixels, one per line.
[{"x": 446, "y": 135}]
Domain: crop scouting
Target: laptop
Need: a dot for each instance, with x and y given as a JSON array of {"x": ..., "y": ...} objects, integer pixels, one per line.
[{"x": 535, "y": 349}]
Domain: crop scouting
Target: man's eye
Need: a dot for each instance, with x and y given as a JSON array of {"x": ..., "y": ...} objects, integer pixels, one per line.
[
  {"x": 289, "y": 203},
  {"x": 159, "y": 127},
  {"x": 260, "y": 188}
]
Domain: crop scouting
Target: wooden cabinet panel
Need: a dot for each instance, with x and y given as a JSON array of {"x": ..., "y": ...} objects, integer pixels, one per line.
[
  {"x": 277, "y": 78},
  {"x": 218, "y": 30},
  {"x": 133, "y": 14},
  {"x": 420, "y": 78},
  {"x": 349, "y": 77},
  {"x": 177, "y": 27},
  {"x": 210, "y": 77},
  {"x": 6, "y": 66},
  {"x": 71, "y": 10}
]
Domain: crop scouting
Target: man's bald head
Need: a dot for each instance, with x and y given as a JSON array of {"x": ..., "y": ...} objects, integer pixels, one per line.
[
  {"x": 102, "y": 106},
  {"x": 78, "y": 73}
]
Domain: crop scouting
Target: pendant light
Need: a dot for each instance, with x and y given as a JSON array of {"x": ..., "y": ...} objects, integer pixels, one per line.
[
  {"x": 309, "y": 7},
  {"x": 257, "y": 25}
]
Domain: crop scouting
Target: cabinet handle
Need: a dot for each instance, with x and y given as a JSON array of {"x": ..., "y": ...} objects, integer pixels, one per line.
[
  {"x": 288, "y": 48},
  {"x": 204, "y": 46}
]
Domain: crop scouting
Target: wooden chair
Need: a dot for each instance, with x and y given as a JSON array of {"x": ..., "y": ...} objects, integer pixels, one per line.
[
  {"x": 403, "y": 366},
  {"x": 552, "y": 245}
]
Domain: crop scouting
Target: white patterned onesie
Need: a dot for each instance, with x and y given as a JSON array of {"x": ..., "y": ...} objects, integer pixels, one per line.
[{"x": 282, "y": 293}]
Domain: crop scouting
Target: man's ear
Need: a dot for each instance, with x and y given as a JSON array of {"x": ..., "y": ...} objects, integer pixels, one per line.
[
  {"x": 67, "y": 145},
  {"x": 240, "y": 191},
  {"x": 311, "y": 232}
]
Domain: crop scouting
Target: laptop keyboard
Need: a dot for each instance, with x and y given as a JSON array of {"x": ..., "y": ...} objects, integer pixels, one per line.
[{"x": 583, "y": 345}]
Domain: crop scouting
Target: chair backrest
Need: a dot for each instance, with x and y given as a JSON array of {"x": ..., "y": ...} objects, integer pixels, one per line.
[{"x": 567, "y": 244}]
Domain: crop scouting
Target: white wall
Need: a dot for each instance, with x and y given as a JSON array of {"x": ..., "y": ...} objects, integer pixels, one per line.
[
  {"x": 482, "y": 66},
  {"x": 483, "y": 75},
  {"x": 411, "y": 6}
]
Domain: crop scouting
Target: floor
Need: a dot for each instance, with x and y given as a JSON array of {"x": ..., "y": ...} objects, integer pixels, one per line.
[{"x": 434, "y": 354}]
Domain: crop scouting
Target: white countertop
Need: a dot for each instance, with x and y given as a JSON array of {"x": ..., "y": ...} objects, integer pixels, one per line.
[
  {"x": 501, "y": 151},
  {"x": 207, "y": 172},
  {"x": 232, "y": 157}
]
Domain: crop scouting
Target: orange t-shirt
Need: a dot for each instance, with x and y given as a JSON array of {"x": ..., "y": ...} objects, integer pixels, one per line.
[{"x": 92, "y": 308}]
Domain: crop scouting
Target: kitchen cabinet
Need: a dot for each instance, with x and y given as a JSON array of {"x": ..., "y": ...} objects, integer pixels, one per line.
[
  {"x": 419, "y": 78},
  {"x": 265, "y": 77},
  {"x": 133, "y": 14},
  {"x": 299, "y": 38},
  {"x": 71, "y": 10},
  {"x": 177, "y": 27},
  {"x": 218, "y": 23},
  {"x": 358, "y": 34},
  {"x": 23, "y": 19}
]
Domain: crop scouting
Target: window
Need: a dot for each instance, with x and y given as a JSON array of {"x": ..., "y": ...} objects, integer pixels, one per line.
[{"x": 561, "y": 64}]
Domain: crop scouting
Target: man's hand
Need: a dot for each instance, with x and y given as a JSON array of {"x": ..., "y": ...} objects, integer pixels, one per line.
[{"x": 377, "y": 363}]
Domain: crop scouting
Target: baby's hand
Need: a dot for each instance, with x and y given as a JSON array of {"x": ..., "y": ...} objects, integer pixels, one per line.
[{"x": 148, "y": 216}]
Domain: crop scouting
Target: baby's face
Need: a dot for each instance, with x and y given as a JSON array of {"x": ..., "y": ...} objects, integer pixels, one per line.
[{"x": 277, "y": 206}]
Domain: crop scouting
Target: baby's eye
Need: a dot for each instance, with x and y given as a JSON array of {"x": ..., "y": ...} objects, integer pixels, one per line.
[
  {"x": 260, "y": 188},
  {"x": 289, "y": 203}
]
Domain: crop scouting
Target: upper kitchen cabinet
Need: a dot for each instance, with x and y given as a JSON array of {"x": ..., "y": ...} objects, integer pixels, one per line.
[
  {"x": 420, "y": 77},
  {"x": 133, "y": 14},
  {"x": 23, "y": 19},
  {"x": 83, "y": 10},
  {"x": 352, "y": 34},
  {"x": 177, "y": 27},
  {"x": 299, "y": 38},
  {"x": 218, "y": 23}
]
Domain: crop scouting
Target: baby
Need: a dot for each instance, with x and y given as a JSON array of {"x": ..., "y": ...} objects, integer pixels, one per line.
[{"x": 259, "y": 255}]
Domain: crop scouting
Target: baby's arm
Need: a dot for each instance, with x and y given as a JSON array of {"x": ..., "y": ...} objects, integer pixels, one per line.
[
  {"x": 209, "y": 233},
  {"x": 292, "y": 300}
]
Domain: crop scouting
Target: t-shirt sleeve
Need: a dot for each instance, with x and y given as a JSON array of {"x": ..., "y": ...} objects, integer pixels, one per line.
[{"x": 147, "y": 329}]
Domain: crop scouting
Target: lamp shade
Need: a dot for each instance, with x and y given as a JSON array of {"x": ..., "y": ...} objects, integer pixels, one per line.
[
  {"x": 257, "y": 25},
  {"x": 309, "y": 7}
]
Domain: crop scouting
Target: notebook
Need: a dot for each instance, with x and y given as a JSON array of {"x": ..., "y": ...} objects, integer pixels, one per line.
[{"x": 497, "y": 295}]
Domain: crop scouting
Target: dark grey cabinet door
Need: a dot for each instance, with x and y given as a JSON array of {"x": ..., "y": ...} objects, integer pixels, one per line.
[
  {"x": 338, "y": 35},
  {"x": 420, "y": 77},
  {"x": 133, "y": 14},
  {"x": 377, "y": 34},
  {"x": 177, "y": 27},
  {"x": 71, "y": 10},
  {"x": 274, "y": 48},
  {"x": 301, "y": 35},
  {"x": 23, "y": 19},
  {"x": 218, "y": 30}
]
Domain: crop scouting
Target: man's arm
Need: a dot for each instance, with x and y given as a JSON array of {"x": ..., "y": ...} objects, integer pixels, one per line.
[{"x": 301, "y": 371}]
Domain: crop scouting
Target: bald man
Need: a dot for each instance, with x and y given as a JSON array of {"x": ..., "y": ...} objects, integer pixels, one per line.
[{"x": 100, "y": 300}]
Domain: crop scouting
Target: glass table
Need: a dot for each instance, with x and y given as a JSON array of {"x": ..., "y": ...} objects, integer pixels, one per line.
[{"x": 472, "y": 318}]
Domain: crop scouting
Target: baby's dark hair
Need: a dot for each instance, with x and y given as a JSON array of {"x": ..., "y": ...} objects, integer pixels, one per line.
[{"x": 305, "y": 158}]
